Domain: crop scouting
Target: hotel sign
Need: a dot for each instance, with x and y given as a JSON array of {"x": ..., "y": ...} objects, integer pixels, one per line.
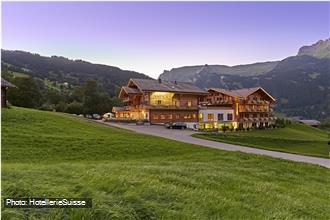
[{"x": 165, "y": 98}]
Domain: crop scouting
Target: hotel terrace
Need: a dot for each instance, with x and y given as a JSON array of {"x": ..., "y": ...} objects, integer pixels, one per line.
[{"x": 158, "y": 101}]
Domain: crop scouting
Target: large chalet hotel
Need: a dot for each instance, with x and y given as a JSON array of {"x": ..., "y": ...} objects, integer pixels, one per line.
[{"x": 158, "y": 101}]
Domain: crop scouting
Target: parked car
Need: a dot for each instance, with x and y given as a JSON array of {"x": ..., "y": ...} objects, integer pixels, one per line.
[
  {"x": 108, "y": 116},
  {"x": 88, "y": 116},
  {"x": 175, "y": 125},
  {"x": 139, "y": 122},
  {"x": 96, "y": 116}
]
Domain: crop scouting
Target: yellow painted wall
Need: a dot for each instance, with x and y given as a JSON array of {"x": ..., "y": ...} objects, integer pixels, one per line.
[{"x": 165, "y": 97}]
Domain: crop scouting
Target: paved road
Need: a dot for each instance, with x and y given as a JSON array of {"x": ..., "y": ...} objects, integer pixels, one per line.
[{"x": 185, "y": 136}]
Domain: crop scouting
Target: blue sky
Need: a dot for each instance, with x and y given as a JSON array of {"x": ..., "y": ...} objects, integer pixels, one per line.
[{"x": 149, "y": 37}]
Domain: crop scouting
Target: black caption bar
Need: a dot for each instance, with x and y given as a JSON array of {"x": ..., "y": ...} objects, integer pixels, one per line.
[{"x": 47, "y": 202}]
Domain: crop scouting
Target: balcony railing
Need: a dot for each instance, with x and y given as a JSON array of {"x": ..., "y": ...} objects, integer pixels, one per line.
[
  {"x": 258, "y": 102},
  {"x": 255, "y": 110},
  {"x": 223, "y": 102},
  {"x": 216, "y": 102},
  {"x": 258, "y": 119},
  {"x": 125, "y": 99},
  {"x": 172, "y": 107}
]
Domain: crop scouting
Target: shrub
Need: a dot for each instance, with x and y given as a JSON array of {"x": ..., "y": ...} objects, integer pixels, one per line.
[
  {"x": 75, "y": 108},
  {"x": 61, "y": 107},
  {"x": 325, "y": 125}
]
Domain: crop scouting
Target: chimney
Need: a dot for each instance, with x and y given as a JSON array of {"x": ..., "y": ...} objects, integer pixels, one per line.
[
  {"x": 175, "y": 82},
  {"x": 159, "y": 80}
]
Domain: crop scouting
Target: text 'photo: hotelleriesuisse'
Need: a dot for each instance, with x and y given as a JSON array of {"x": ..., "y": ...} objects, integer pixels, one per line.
[{"x": 165, "y": 110}]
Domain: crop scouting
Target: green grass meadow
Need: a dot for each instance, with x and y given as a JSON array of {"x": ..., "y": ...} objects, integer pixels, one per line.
[
  {"x": 135, "y": 176},
  {"x": 294, "y": 138}
]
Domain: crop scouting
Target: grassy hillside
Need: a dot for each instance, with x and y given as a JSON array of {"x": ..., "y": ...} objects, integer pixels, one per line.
[
  {"x": 135, "y": 176},
  {"x": 295, "y": 138}
]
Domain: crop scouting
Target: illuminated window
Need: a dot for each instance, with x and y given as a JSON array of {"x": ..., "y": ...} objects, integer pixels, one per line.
[
  {"x": 177, "y": 103},
  {"x": 177, "y": 116},
  {"x": 189, "y": 103},
  {"x": 210, "y": 117},
  {"x": 162, "y": 117},
  {"x": 200, "y": 115},
  {"x": 170, "y": 116},
  {"x": 229, "y": 117},
  {"x": 220, "y": 117},
  {"x": 194, "y": 115},
  {"x": 155, "y": 117},
  {"x": 209, "y": 125}
]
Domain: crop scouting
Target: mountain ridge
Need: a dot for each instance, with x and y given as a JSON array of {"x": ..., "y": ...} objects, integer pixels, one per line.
[
  {"x": 64, "y": 70},
  {"x": 301, "y": 82},
  {"x": 320, "y": 49}
]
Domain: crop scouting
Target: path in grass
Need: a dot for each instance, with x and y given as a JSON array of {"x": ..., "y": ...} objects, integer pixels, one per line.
[
  {"x": 135, "y": 176},
  {"x": 295, "y": 138}
]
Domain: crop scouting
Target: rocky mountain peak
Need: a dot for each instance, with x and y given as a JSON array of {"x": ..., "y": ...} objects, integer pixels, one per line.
[{"x": 320, "y": 49}]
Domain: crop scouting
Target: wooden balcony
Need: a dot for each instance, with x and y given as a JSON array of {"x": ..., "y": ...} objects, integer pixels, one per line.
[
  {"x": 216, "y": 103},
  {"x": 173, "y": 107},
  {"x": 170, "y": 107},
  {"x": 257, "y": 102},
  {"x": 125, "y": 100},
  {"x": 258, "y": 119},
  {"x": 223, "y": 102},
  {"x": 256, "y": 110}
]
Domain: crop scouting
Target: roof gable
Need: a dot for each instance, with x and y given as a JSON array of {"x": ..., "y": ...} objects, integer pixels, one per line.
[
  {"x": 223, "y": 91},
  {"x": 242, "y": 93},
  {"x": 253, "y": 90},
  {"x": 125, "y": 90}
]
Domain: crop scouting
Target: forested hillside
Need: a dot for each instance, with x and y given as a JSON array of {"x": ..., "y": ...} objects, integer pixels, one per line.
[
  {"x": 60, "y": 84},
  {"x": 63, "y": 70}
]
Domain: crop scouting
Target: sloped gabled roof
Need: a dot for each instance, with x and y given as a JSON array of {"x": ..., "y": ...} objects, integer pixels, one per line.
[
  {"x": 241, "y": 92},
  {"x": 310, "y": 122},
  {"x": 130, "y": 90},
  {"x": 5, "y": 83},
  {"x": 245, "y": 92},
  {"x": 224, "y": 91},
  {"x": 166, "y": 86}
]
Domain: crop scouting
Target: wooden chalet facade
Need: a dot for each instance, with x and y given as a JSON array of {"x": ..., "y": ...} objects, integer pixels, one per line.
[
  {"x": 245, "y": 108},
  {"x": 158, "y": 101}
]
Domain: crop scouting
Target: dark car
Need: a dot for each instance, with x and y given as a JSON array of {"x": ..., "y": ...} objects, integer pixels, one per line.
[{"x": 175, "y": 125}]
